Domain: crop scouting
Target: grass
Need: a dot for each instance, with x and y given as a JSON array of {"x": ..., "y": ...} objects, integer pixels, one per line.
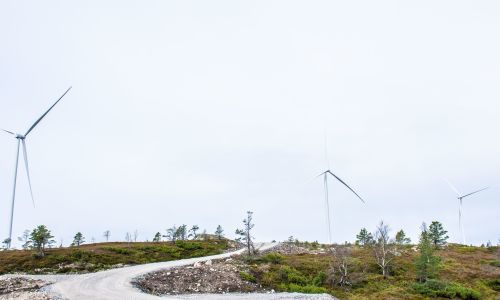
[
  {"x": 101, "y": 256},
  {"x": 464, "y": 273}
]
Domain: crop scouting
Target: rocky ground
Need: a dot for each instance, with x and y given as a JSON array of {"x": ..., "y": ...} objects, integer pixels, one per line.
[
  {"x": 211, "y": 277},
  {"x": 292, "y": 249},
  {"x": 19, "y": 288}
]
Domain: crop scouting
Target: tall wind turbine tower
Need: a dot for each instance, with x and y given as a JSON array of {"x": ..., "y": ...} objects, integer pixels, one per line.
[
  {"x": 460, "y": 196},
  {"x": 21, "y": 142},
  {"x": 325, "y": 184}
]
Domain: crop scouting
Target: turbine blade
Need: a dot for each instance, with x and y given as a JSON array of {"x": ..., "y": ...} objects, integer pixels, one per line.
[
  {"x": 475, "y": 192},
  {"x": 9, "y": 132},
  {"x": 39, "y": 119},
  {"x": 25, "y": 154},
  {"x": 346, "y": 185},
  {"x": 321, "y": 174},
  {"x": 453, "y": 187}
]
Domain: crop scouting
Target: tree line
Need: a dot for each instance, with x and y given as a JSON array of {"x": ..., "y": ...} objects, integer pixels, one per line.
[{"x": 386, "y": 248}]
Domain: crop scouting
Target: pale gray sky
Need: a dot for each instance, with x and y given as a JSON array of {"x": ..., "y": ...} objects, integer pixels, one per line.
[{"x": 197, "y": 111}]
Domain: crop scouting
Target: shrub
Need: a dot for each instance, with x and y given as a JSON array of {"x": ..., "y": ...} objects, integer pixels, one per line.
[
  {"x": 247, "y": 277},
  {"x": 319, "y": 279},
  {"x": 186, "y": 245},
  {"x": 436, "y": 288},
  {"x": 274, "y": 258},
  {"x": 291, "y": 275},
  {"x": 307, "y": 289},
  {"x": 123, "y": 251},
  {"x": 495, "y": 263},
  {"x": 494, "y": 284}
]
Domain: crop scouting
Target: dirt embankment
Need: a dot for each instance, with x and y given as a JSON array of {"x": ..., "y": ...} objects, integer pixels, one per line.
[
  {"x": 20, "y": 288},
  {"x": 213, "y": 277}
]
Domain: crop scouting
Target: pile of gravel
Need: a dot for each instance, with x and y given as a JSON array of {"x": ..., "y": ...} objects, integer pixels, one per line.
[
  {"x": 20, "y": 288},
  {"x": 287, "y": 249},
  {"x": 214, "y": 277}
]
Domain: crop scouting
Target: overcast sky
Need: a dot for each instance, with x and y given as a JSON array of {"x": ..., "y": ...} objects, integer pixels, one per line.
[{"x": 193, "y": 112}]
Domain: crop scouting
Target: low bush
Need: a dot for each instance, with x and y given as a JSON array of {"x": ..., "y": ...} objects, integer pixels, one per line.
[
  {"x": 117, "y": 250},
  {"x": 494, "y": 284},
  {"x": 306, "y": 289},
  {"x": 436, "y": 288},
  {"x": 247, "y": 277},
  {"x": 187, "y": 245},
  {"x": 273, "y": 258},
  {"x": 291, "y": 275}
]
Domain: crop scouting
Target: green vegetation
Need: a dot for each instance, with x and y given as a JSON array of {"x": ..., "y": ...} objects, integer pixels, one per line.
[
  {"x": 462, "y": 274},
  {"x": 78, "y": 240},
  {"x": 364, "y": 237},
  {"x": 40, "y": 238},
  {"x": 401, "y": 238},
  {"x": 436, "y": 288},
  {"x": 96, "y": 257},
  {"x": 426, "y": 263},
  {"x": 247, "y": 276},
  {"x": 245, "y": 234},
  {"x": 219, "y": 232},
  {"x": 437, "y": 234}
]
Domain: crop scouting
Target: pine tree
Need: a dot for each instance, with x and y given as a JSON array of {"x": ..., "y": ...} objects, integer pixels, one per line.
[
  {"x": 219, "y": 232},
  {"x": 182, "y": 232},
  {"x": 401, "y": 238},
  {"x": 364, "y": 238},
  {"x": 6, "y": 244},
  {"x": 78, "y": 239},
  {"x": 157, "y": 237},
  {"x": 40, "y": 238},
  {"x": 193, "y": 231},
  {"x": 245, "y": 233},
  {"x": 172, "y": 233},
  {"x": 437, "y": 234},
  {"x": 106, "y": 235},
  {"x": 426, "y": 263}
]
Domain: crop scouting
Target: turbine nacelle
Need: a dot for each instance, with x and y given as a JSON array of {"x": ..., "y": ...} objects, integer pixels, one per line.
[{"x": 20, "y": 136}]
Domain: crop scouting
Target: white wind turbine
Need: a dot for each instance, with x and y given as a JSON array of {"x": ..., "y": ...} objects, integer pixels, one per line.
[
  {"x": 460, "y": 196},
  {"x": 325, "y": 183},
  {"x": 21, "y": 141}
]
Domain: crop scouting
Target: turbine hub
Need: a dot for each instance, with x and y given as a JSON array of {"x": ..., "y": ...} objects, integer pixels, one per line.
[{"x": 20, "y": 136}]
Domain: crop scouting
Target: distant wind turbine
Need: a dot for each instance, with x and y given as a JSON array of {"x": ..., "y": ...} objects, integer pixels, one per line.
[
  {"x": 325, "y": 183},
  {"x": 460, "y": 196},
  {"x": 21, "y": 140}
]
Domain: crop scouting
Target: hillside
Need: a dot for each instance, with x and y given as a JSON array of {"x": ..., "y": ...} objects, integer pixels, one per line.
[
  {"x": 101, "y": 256},
  {"x": 464, "y": 272}
]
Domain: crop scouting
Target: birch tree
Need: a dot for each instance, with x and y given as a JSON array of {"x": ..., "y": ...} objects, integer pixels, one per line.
[{"x": 383, "y": 248}]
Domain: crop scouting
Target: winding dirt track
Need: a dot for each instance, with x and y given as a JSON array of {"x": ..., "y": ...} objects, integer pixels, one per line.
[{"x": 116, "y": 283}]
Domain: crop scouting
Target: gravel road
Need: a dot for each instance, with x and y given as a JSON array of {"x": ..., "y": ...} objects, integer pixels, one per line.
[{"x": 116, "y": 283}]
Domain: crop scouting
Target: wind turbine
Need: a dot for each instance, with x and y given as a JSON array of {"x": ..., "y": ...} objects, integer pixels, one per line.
[
  {"x": 21, "y": 141},
  {"x": 325, "y": 182},
  {"x": 460, "y": 196}
]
